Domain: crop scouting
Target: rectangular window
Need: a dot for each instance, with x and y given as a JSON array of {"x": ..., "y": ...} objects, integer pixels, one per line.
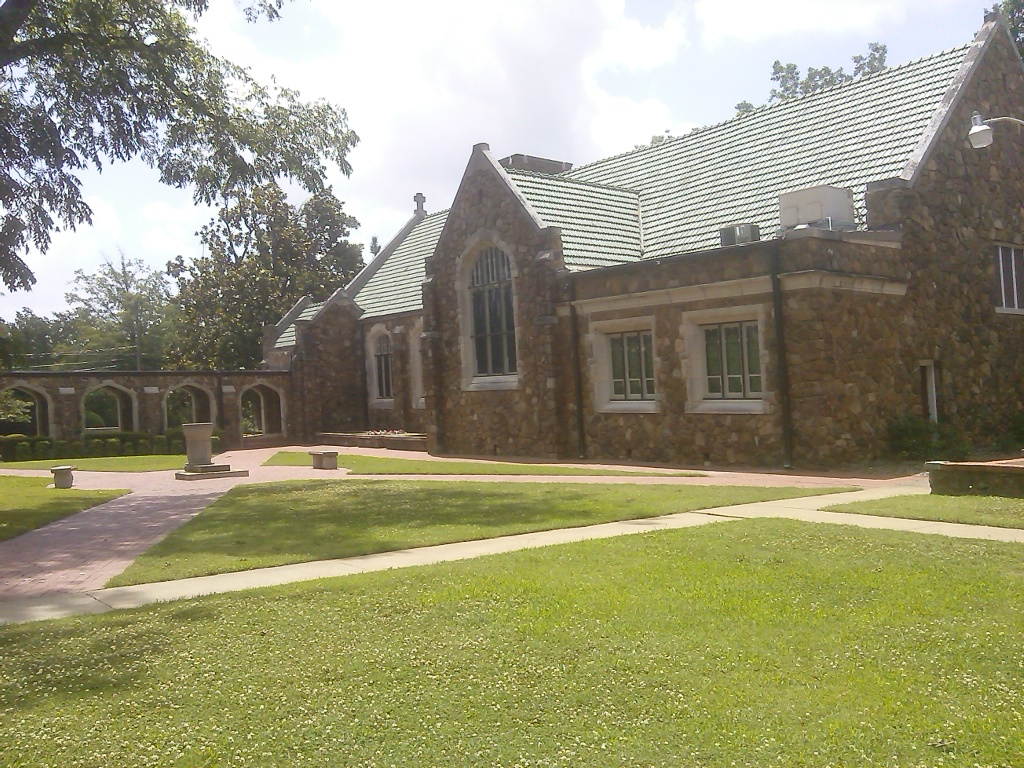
[
  {"x": 632, "y": 358},
  {"x": 732, "y": 357},
  {"x": 1010, "y": 276}
]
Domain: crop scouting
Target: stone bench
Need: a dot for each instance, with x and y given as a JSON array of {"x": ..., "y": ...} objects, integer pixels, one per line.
[
  {"x": 324, "y": 459},
  {"x": 62, "y": 476}
]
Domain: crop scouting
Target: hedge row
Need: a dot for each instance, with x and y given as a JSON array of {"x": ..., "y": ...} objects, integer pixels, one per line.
[{"x": 24, "y": 448}]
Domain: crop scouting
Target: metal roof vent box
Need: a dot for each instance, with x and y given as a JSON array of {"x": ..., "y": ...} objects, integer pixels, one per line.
[
  {"x": 736, "y": 234},
  {"x": 823, "y": 207}
]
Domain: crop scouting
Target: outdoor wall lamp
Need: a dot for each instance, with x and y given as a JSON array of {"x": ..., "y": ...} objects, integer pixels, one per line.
[{"x": 981, "y": 130}]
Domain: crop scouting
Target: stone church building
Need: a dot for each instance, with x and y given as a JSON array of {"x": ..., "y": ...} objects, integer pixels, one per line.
[{"x": 774, "y": 289}]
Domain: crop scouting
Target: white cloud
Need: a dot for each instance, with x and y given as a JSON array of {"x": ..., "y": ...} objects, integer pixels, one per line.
[
  {"x": 69, "y": 250},
  {"x": 753, "y": 20}
]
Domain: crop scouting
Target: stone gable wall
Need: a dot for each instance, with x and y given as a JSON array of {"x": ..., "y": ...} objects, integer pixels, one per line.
[
  {"x": 963, "y": 204},
  {"x": 523, "y": 421}
]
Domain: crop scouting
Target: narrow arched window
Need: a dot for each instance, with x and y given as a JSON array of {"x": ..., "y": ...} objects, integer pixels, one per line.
[
  {"x": 382, "y": 361},
  {"x": 494, "y": 331}
]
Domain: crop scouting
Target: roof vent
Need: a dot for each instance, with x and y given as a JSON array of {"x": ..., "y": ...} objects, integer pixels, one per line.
[
  {"x": 821, "y": 207},
  {"x": 736, "y": 234},
  {"x": 535, "y": 164}
]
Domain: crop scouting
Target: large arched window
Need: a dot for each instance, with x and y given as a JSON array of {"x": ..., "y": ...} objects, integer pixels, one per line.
[
  {"x": 382, "y": 366},
  {"x": 494, "y": 331}
]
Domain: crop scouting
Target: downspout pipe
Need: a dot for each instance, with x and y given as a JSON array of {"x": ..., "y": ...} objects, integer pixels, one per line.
[
  {"x": 577, "y": 374},
  {"x": 783, "y": 363}
]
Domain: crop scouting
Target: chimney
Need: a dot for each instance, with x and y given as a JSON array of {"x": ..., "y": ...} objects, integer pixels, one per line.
[{"x": 535, "y": 164}]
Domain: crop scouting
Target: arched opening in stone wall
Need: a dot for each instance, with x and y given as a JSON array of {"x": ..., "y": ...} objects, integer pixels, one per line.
[
  {"x": 187, "y": 404},
  {"x": 261, "y": 411},
  {"x": 108, "y": 408},
  {"x": 24, "y": 411}
]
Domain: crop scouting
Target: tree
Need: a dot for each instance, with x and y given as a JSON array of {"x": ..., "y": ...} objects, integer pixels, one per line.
[
  {"x": 28, "y": 340},
  {"x": 120, "y": 307},
  {"x": 262, "y": 255},
  {"x": 84, "y": 83},
  {"x": 744, "y": 108},
  {"x": 13, "y": 408},
  {"x": 791, "y": 84},
  {"x": 1013, "y": 12}
]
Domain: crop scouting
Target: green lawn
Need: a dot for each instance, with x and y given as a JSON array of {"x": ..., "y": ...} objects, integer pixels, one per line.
[
  {"x": 974, "y": 510},
  {"x": 26, "y": 503},
  {"x": 381, "y": 465},
  {"x": 752, "y": 643},
  {"x": 106, "y": 463},
  {"x": 256, "y": 526}
]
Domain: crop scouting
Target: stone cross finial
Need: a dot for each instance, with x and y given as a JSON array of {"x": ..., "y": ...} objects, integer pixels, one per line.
[{"x": 419, "y": 200}]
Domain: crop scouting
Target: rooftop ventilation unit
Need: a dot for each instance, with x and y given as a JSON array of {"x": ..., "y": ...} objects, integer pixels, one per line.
[
  {"x": 736, "y": 234},
  {"x": 821, "y": 207}
]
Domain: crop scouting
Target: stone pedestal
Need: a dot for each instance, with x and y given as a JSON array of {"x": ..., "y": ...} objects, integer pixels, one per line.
[
  {"x": 63, "y": 476},
  {"x": 199, "y": 449}
]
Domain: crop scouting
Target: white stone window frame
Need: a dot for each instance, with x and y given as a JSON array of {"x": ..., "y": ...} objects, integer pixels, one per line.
[
  {"x": 1011, "y": 278},
  {"x": 419, "y": 400},
  {"x": 600, "y": 364},
  {"x": 691, "y": 330},
  {"x": 381, "y": 403},
  {"x": 471, "y": 381}
]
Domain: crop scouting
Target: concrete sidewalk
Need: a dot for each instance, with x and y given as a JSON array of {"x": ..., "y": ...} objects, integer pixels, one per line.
[{"x": 806, "y": 509}]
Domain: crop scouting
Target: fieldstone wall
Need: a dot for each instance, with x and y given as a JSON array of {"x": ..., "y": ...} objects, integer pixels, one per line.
[
  {"x": 327, "y": 369},
  {"x": 842, "y": 349},
  {"x": 526, "y": 420},
  {"x": 406, "y": 412},
  {"x": 962, "y": 204}
]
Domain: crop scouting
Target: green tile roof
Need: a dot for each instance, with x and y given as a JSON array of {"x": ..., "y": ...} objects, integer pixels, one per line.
[
  {"x": 396, "y": 286},
  {"x": 733, "y": 172},
  {"x": 287, "y": 337},
  {"x": 600, "y": 224}
]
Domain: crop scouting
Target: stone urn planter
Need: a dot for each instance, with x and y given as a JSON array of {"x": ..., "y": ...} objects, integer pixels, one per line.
[{"x": 198, "y": 443}]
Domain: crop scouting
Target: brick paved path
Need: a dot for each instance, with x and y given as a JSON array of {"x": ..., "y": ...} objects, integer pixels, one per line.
[{"x": 84, "y": 551}]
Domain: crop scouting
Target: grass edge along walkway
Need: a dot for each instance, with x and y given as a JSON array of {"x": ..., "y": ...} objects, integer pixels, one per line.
[
  {"x": 995, "y": 511},
  {"x": 361, "y": 464},
  {"x": 271, "y": 524},
  {"x": 155, "y": 462}
]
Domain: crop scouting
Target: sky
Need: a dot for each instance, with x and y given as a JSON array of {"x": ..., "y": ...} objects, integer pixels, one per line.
[{"x": 422, "y": 82}]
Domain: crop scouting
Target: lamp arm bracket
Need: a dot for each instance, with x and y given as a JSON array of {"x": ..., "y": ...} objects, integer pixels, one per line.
[{"x": 989, "y": 120}]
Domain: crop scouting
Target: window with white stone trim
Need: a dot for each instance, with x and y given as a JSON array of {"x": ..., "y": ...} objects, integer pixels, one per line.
[
  {"x": 624, "y": 365},
  {"x": 493, "y": 318},
  {"x": 379, "y": 368},
  {"x": 732, "y": 361},
  {"x": 724, "y": 360}
]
